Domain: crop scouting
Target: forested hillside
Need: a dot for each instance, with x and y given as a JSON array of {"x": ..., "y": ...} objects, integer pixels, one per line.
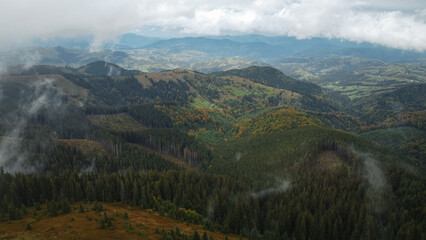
[{"x": 248, "y": 153}]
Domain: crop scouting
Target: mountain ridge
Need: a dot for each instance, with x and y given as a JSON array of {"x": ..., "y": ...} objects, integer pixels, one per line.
[{"x": 237, "y": 152}]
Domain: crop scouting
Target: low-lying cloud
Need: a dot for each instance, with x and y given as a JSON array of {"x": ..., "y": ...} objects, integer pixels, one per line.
[
  {"x": 42, "y": 95},
  {"x": 281, "y": 186},
  {"x": 376, "y": 179},
  {"x": 394, "y": 23}
]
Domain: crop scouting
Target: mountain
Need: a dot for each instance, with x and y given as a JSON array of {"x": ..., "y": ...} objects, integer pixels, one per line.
[
  {"x": 410, "y": 96},
  {"x": 274, "y": 78},
  {"x": 352, "y": 76},
  {"x": 315, "y": 98},
  {"x": 123, "y": 42},
  {"x": 255, "y": 46},
  {"x": 385, "y": 107},
  {"x": 98, "y": 68},
  {"x": 224, "y": 64},
  {"x": 101, "y": 68},
  {"x": 58, "y": 56},
  {"x": 218, "y": 47},
  {"x": 134, "y": 41},
  {"x": 295, "y": 45},
  {"x": 406, "y": 140},
  {"x": 249, "y": 152},
  {"x": 270, "y": 48},
  {"x": 383, "y": 54},
  {"x": 147, "y": 60},
  {"x": 322, "y": 61}
]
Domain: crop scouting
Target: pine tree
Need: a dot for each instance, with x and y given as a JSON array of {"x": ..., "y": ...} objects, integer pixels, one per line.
[
  {"x": 65, "y": 206},
  {"x": 11, "y": 210},
  {"x": 81, "y": 209},
  {"x": 52, "y": 208},
  {"x": 23, "y": 210},
  {"x": 205, "y": 236},
  {"x": 196, "y": 236},
  {"x": 37, "y": 206}
]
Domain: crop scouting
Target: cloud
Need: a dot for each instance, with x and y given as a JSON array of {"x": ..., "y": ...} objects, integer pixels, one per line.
[{"x": 395, "y": 23}]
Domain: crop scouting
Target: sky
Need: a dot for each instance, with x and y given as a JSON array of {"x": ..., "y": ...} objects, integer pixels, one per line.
[{"x": 393, "y": 23}]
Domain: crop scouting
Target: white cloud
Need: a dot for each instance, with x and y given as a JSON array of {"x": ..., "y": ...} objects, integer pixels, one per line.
[{"x": 394, "y": 23}]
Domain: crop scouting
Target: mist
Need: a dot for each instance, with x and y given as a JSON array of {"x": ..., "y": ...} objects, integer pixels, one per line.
[
  {"x": 41, "y": 95},
  {"x": 376, "y": 179},
  {"x": 377, "y": 182},
  {"x": 280, "y": 186},
  {"x": 374, "y": 175}
]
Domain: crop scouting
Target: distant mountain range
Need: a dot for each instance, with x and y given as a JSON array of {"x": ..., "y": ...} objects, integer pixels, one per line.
[
  {"x": 353, "y": 69},
  {"x": 257, "y": 47}
]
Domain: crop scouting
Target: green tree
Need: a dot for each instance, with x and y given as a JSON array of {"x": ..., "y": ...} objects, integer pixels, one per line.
[
  {"x": 81, "y": 209},
  {"x": 52, "y": 208},
  {"x": 65, "y": 206},
  {"x": 205, "y": 236},
  {"x": 196, "y": 236}
]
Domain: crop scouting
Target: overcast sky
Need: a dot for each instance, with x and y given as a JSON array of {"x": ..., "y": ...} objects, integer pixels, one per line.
[{"x": 393, "y": 23}]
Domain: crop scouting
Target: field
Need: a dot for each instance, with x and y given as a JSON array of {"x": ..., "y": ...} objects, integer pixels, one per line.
[{"x": 141, "y": 224}]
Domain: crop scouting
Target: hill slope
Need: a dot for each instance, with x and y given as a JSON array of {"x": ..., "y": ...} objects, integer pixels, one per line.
[
  {"x": 86, "y": 224},
  {"x": 101, "y": 68},
  {"x": 245, "y": 152},
  {"x": 274, "y": 78}
]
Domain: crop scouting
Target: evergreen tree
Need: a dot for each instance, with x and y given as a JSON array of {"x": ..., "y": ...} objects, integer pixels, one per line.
[
  {"x": 196, "y": 236},
  {"x": 65, "y": 206},
  {"x": 52, "y": 208},
  {"x": 205, "y": 236},
  {"x": 80, "y": 208}
]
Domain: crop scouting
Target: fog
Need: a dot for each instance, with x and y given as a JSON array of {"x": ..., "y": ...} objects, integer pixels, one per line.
[{"x": 42, "y": 94}]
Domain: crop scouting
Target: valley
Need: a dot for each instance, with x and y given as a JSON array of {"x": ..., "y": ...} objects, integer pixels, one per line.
[
  {"x": 299, "y": 147},
  {"x": 213, "y": 120}
]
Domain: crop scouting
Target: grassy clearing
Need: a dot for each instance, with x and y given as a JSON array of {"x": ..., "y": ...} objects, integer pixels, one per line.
[
  {"x": 141, "y": 224},
  {"x": 116, "y": 122},
  {"x": 240, "y": 92},
  {"x": 329, "y": 160},
  {"x": 200, "y": 103},
  {"x": 85, "y": 146}
]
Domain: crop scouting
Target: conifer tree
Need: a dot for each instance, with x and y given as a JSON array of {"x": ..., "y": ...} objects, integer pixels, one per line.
[{"x": 196, "y": 236}]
